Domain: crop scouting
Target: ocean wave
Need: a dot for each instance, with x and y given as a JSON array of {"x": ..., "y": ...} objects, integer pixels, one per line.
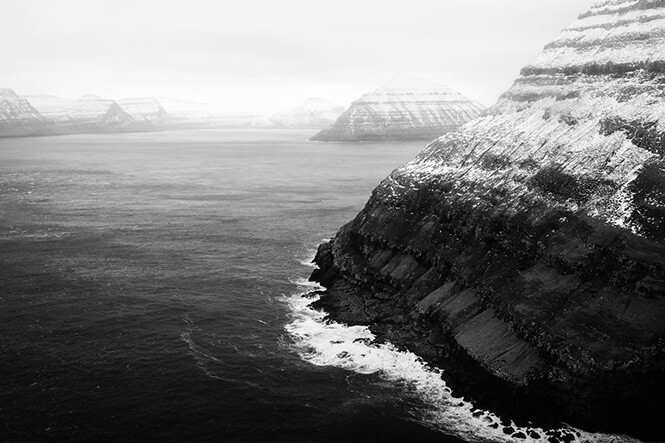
[
  {"x": 322, "y": 342},
  {"x": 307, "y": 258}
]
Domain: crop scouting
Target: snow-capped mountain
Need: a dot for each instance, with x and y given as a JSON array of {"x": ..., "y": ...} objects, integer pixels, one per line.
[
  {"x": 146, "y": 110},
  {"x": 403, "y": 109},
  {"x": 89, "y": 113},
  {"x": 531, "y": 241},
  {"x": 315, "y": 113},
  {"x": 51, "y": 107},
  {"x": 18, "y": 117}
]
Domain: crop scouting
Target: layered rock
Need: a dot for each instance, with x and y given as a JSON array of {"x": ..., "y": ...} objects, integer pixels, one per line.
[
  {"x": 92, "y": 114},
  {"x": 18, "y": 117},
  {"x": 145, "y": 110},
  {"x": 525, "y": 252},
  {"x": 403, "y": 109},
  {"x": 89, "y": 113},
  {"x": 315, "y": 113}
]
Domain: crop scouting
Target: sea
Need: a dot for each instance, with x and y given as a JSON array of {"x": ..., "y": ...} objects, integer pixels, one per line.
[{"x": 153, "y": 287}]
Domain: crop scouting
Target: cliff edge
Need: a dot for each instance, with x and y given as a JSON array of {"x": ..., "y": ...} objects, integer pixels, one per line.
[
  {"x": 402, "y": 109},
  {"x": 19, "y": 118},
  {"x": 525, "y": 252}
]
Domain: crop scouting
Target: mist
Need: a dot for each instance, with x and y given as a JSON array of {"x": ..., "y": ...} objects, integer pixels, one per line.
[{"x": 263, "y": 56}]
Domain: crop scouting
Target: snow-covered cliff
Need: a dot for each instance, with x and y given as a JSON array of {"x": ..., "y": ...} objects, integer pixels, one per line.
[
  {"x": 589, "y": 110},
  {"x": 146, "y": 110},
  {"x": 530, "y": 244},
  {"x": 18, "y": 117},
  {"x": 403, "y": 109},
  {"x": 89, "y": 113}
]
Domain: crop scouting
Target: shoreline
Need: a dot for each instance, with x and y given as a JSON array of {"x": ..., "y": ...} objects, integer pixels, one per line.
[{"x": 537, "y": 403}]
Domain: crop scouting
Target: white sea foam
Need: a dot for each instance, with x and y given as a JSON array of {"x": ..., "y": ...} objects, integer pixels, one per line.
[
  {"x": 327, "y": 343},
  {"x": 307, "y": 259}
]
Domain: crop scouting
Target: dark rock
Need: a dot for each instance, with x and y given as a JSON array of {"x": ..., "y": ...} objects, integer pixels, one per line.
[{"x": 525, "y": 253}]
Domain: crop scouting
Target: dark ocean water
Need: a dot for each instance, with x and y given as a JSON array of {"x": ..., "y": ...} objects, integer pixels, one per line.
[{"x": 149, "y": 291}]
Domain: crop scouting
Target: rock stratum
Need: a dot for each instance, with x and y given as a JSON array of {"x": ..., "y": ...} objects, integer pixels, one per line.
[
  {"x": 88, "y": 114},
  {"x": 525, "y": 253},
  {"x": 146, "y": 110},
  {"x": 402, "y": 109},
  {"x": 18, "y": 117},
  {"x": 35, "y": 115}
]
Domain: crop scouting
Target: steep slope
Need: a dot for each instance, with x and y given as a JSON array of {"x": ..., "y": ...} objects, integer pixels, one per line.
[
  {"x": 525, "y": 252},
  {"x": 147, "y": 111},
  {"x": 98, "y": 113},
  {"x": 403, "y": 109},
  {"x": 18, "y": 117},
  {"x": 51, "y": 107},
  {"x": 315, "y": 113},
  {"x": 89, "y": 113}
]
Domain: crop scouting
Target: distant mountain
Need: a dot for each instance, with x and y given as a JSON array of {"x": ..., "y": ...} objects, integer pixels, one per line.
[
  {"x": 51, "y": 115},
  {"x": 51, "y": 107},
  {"x": 90, "y": 113},
  {"x": 188, "y": 114},
  {"x": 145, "y": 110},
  {"x": 18, "y": 117},
  {"x": 403, "y": 109},
  {"x": 315, "y": 113},
  {"x": 183, "y": 110}
]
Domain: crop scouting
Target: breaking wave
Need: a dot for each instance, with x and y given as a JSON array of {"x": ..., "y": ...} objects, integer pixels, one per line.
[{"x": 322, "y": 342}]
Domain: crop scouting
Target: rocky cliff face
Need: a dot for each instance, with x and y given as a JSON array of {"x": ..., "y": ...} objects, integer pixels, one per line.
[
  {"x": 315, "y": 113},
  {"x": 147, "y": 111},
  {"x": 403, "y": 109},
  {"x": 18, "y": 117},
  {"x": 93, "y": 114},
  {"x": 525, "y": 252},
  {"x": 89, "y": 113}
]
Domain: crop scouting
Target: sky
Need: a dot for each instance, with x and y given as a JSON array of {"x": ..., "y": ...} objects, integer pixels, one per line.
[{"x": 267, "y": 55}]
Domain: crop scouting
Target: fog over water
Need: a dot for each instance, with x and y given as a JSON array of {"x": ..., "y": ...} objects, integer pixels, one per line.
[{"x": 262, "y": 56}]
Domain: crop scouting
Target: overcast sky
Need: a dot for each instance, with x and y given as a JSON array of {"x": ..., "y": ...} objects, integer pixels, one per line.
[{"x": 265, "y": 55}]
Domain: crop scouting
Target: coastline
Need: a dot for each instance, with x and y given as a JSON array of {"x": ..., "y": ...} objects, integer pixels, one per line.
[{"x": 596, "y": 401}]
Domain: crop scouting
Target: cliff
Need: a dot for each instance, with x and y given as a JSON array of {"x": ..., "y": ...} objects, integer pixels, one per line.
[
  {"x": 18, "y": 117},
  {"x": 403, "y": 109},
  {"x": 50, "y": 115},
  {"x": 89, "y": 113},
  {"x": 147, "y": 111},
  {"x": 525, "y": 252}
]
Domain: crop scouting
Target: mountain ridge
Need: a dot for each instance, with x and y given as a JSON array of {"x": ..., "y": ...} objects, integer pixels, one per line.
[
  {"x": 525, "y": 252},
  {"x": 91, "y": 113},
  {"x": 402, "y": 109},
  {"x": 18, "y": 117}
]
